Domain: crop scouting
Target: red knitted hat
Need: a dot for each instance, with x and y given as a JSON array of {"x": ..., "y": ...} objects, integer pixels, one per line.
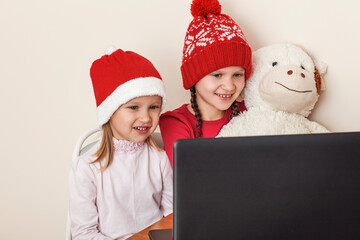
[
  {"x": 121, "y": 76},
  {"x": 213, "y": 41}
]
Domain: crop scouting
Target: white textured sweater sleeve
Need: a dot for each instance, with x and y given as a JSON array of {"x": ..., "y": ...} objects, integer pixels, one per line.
[
  {"x": 83, "y": 210},
  {"x": 167, "y": 193}
]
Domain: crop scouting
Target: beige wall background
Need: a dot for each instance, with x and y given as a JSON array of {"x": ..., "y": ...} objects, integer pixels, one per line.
[{"x": 47, "y": 47}]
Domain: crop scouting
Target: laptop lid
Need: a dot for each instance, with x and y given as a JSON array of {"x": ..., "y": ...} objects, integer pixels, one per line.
[{"x": 268, "y": 187}]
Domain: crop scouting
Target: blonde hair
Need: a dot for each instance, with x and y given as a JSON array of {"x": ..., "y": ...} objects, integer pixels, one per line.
[{"x": 106, "y": 149}]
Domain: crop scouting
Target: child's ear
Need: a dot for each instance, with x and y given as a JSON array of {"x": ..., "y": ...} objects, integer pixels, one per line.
[{"x": 322, "y": 68}]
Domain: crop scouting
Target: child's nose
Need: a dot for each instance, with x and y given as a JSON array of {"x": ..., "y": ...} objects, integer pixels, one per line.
[
  {"x": 145, "y": 117},
  {"x": 228, "y": 84}
]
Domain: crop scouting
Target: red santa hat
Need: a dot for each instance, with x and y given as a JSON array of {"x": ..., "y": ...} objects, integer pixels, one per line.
[
  {"x": 213, "y": 41},
  {"x": 120, "y": 76}
]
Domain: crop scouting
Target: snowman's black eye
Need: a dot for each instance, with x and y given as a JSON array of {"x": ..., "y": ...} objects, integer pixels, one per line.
[
  {"x": 274, "y": 64},
  {"x": 302, "y": 67}
]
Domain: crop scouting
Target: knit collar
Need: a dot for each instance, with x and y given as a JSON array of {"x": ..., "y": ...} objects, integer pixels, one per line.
[{"x": 126, "y": 146}]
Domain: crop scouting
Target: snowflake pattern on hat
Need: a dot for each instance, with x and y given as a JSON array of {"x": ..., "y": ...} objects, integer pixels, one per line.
[
  {"x": 202, "y": 33},
  {"x": 230, "y": 32}
]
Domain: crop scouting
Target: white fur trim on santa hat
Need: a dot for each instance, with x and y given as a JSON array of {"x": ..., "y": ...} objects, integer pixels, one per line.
[{"x": 148, "y": 86}]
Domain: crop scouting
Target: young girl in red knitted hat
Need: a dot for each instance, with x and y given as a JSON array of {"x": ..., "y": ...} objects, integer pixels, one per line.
[
  {"x": 216, "y": 62},
  {"x": 123, "y": 183}
]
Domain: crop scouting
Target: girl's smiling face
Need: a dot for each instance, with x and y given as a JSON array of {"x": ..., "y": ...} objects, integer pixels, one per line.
[
  {"x": 218, "y": 90},
  {"x": 137, "y": 119}
]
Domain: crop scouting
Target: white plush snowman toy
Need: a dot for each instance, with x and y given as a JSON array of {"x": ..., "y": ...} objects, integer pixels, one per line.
[{"x": 281, "y": 92}]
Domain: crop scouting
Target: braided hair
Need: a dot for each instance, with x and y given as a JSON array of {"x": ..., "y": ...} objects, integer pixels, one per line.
[{"x": 195, "y": 107}]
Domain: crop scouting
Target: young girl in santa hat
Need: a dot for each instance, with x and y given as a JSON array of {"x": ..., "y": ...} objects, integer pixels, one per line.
[
  {"x": 123, "y": 183},
  {"x": 216, "y": 62}
]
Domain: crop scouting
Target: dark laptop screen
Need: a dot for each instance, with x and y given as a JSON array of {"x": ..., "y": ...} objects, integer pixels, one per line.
[{"x": 269, "y": 187}]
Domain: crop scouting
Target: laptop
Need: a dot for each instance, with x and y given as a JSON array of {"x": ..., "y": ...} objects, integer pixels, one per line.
[{"x": 267, "y": 187}]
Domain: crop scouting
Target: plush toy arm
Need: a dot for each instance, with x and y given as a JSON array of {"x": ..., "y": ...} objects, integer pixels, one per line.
[
  {"x": 233, "y": 128},
  {"x": 315, "y": 127}
]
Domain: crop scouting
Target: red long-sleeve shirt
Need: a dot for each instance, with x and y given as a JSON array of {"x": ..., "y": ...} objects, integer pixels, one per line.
[{"x": 181, "y": 123}]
